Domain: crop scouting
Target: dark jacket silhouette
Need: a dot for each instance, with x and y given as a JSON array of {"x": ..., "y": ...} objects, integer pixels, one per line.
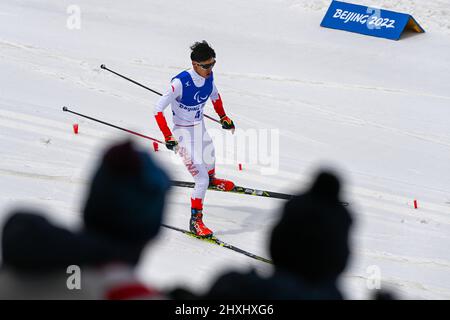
[
  {"x": 309, "y": 248},
  {"x": 123, "y": 211}
]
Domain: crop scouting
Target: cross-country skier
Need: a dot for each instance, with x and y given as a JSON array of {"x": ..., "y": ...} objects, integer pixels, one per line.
[{"x": 187, "y": 95}]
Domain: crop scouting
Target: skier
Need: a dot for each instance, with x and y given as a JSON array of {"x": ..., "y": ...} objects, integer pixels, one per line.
[{"x": 187, "y": 95}]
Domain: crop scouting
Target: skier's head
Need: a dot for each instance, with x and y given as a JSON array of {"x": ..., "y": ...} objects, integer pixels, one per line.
[
  {"x": 312, "y": 237},
  {"x": 203, "y": 58},
  {"x": 127, "y": 196}
]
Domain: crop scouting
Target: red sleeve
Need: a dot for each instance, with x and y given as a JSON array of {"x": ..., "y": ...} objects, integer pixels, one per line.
[
  {"x": 162, "y": 124},
  {"x": 218, "y": 106}
]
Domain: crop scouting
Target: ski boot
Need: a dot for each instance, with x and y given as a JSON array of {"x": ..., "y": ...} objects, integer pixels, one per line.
[
  {"x": 220, "y": 184},
  {"x": 196, "y": 225}
]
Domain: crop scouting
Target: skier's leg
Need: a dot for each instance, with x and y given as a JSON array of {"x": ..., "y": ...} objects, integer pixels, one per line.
[
  {"x": 191, "y": 153},
  {"x": 209, "y": 153}
]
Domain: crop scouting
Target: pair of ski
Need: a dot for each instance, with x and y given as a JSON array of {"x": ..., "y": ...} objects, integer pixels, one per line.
[{"x": 237, "y": 190}]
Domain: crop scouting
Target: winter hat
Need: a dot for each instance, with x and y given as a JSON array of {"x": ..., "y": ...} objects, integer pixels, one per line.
[
  {"x": 127, "y": 195},
  {"x": 312, "y": 237}
]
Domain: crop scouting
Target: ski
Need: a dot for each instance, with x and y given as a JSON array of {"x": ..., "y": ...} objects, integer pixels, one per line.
[
  {"x": 220, "y": 243},
  {"x": 238, "y": 189},
  {"x": 243, "y": 190}
]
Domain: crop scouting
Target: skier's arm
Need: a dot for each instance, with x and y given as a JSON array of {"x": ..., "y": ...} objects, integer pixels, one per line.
[
  {"x": 173, "y": 93},
  {"x": 216, "y": 100}
]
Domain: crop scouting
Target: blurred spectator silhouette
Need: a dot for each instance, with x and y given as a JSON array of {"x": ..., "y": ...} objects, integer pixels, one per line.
[
  {"x": 122, "y": 213},
  {"x": 309, "y": 247}
]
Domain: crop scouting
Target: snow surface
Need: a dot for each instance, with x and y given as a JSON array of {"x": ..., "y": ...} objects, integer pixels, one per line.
[{"x": 375, "y": 109}]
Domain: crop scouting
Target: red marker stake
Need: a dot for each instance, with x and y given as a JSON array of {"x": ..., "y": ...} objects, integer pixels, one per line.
[
  {"x": 240, "y": 166},
  {"x": 415, "y": 204},
  {"x": 75, "y": 128},
  {"x": 155, "y": 146}
]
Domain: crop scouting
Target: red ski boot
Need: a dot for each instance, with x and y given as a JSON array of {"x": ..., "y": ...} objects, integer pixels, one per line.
[
  {"x": 220, "y": 184},
  {"x": 196, "y": 225}
]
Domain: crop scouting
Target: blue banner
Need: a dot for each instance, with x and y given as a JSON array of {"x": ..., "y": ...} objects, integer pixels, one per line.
[{"x": 369, "y": 21}]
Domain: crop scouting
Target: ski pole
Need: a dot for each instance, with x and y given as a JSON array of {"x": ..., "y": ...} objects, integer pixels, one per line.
[
  {"x": 112, "y": 125},
  {"x": 145, "y": 87},
  {"x": 131, "y": 80}
]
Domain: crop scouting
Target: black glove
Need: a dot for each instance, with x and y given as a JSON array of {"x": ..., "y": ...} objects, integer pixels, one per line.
[
  {"x": 171, "y": 143},
  {"x": 227, "y": 123}
]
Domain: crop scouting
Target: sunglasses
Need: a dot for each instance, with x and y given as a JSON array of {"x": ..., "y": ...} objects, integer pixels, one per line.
[{"x": 207, "y": 66}]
